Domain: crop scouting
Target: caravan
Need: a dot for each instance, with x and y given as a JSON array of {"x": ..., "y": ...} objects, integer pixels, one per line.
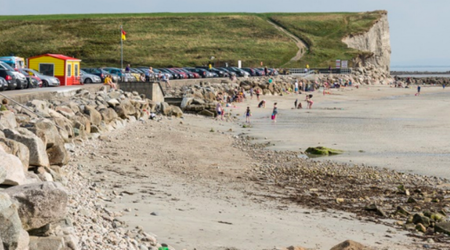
[{"x": 14, "y": 61}]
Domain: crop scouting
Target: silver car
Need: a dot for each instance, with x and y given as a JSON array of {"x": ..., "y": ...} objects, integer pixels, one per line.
[
  {"x": 89, "y": 78},
  {"x": 47, "y": 81}
]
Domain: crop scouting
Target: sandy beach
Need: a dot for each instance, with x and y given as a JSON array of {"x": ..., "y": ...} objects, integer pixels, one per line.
[{"x": 187, "y": 182}]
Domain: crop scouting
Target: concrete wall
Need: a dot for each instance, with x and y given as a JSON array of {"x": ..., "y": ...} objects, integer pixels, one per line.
[{"x": 152, "y": 91}]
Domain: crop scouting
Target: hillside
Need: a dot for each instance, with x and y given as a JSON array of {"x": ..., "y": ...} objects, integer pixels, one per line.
[{"x": 166, "y": 39}]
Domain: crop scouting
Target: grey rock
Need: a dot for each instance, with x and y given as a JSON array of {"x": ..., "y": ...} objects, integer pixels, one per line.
[
  {"x": 18, "y": 149},
  {"x": 11, "y": 232},
  {"x": 11, "y": 169},
  {"x": 7, "y": 120},
  {"x": 39, "y": 204},
  {"x": 38, "y": 154}
]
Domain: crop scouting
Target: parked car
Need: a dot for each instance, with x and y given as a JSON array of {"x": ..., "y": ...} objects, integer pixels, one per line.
[
  {"x": 36, "y": 82},
  {"x": 217, "y": 72},
  {"x": 183, "y": 74},
  {"x": 101, "y": 73},
  {"x": 89, "y": 78},
  {"x": 3, "y": 84},
  {"x": 239, "y": 71},
  {"x": 126, "y": 77},
  {"x": 20, "y": 78},
  {"x": 174, "y": 75},
  {"x": 228, "y": 71},
  {"x": 47, "y": 81},
  {"x": 9, "y": 77},
  {"x": 202, "y": 72},
  {"x": 190, "y": 73}
]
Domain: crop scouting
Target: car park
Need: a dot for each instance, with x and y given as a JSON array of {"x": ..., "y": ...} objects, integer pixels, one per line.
[
  {"x": 171, "y": 74},
  {"x": 47, "y": 81},
  {"x": 89, "y": 78}
]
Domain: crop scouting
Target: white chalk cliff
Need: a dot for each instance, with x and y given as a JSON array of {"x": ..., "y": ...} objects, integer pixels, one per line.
[{"x": 377, "y": 42}]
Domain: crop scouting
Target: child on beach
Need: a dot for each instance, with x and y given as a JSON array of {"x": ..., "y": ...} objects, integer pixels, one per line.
[
  {"x": 274, "y": 112},
  {"x": 309, "y": 101},
  {"x": 262, "y": 104},
  {"x": 247, "y": 115},
  {"x": 220, "y": 111},
  {"x": 418, "y": 90}
]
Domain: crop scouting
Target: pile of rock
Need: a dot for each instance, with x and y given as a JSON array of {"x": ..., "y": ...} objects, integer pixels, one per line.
[
  {"x": 36, "y": 210},
  {"x": 202, "y": 98}
]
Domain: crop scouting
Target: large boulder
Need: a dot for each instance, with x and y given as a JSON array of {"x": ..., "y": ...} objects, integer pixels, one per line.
[
  {"x": 7, "y": 120},
  {"x": 38, "y": 154},
  {"x": 51, "y": 243},
  {"x": 11, "y": 169},
  {"x": 65, "y": 111},
  {"x": 18, "y": 149},
  {"x": 108, "y": 115},
  {"x": 11, "y": 232},
  {"x": 56, "y": 151},
  {"x": 40, "y": 107},
  {"x": 166, "y": 109},
  {"x": 94, "y": 116},
  {"x": 39, "y": 204},
  {"x": 125, "y": 109},
  {"x": 177, "y": 112},
  {"x": 65, "y": 128}
]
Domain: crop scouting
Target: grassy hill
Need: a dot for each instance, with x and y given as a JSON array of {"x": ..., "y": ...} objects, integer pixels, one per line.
[{"x": 169, "y": 39}]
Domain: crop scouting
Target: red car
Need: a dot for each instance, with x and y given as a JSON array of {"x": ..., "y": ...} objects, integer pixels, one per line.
[
  {"x": 35, "y": 81},
  {"x": 181, "y": 73}
]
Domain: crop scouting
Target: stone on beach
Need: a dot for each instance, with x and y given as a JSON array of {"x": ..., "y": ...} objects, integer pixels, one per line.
[
  {"x": 11, "y": 169},
  {"x": 38, "y": 154},
  {"x": 39, "y": 204},
  {"x": 11, "y": 232}
]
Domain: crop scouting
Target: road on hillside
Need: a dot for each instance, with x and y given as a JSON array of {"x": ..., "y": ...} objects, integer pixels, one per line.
[{"x": 302, "y": 46}]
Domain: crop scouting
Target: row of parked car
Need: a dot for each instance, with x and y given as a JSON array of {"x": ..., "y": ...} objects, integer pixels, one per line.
[
  {"x": 23, "y": 78},
  {"x": 140, "y": 73}
]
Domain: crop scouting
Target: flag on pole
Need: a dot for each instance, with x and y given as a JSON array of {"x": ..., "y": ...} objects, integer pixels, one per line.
[{"x": 124, "y": 35}]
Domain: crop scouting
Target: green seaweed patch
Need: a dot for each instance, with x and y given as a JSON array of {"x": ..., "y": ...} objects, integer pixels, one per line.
[{"x": 323, "y": 151}]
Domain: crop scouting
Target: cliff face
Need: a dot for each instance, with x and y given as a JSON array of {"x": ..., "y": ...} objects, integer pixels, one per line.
[{"x": 377, "y": 42}]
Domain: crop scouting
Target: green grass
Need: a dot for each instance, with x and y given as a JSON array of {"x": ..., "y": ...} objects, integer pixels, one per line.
[
  {"x": 323, "y": 33},
  {"x": 183, "y": 39}
]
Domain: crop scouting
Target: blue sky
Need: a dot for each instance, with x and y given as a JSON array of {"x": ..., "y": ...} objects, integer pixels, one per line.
[{"x": 419, "y": 30}]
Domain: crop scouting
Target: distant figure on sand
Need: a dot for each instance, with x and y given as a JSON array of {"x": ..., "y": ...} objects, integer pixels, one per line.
[
  {"x": 296, "y": 87},
  {"x": 257, "y": 94},
  {"x": 309, "y": 101},
  {"x": 220, "y": 111},
  {"x": 248, "y": 113},
  {"x": 262, "y": 104},
  {"x": 274, "y": 112},
  {"x": 418, "y": 90}
]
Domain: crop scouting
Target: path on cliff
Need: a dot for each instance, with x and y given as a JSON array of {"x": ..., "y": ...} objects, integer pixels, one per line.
[{"x": 302, "y": 46}]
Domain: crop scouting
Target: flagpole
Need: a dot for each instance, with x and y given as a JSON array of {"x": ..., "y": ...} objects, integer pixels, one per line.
[{"x": 121, "y": 48}]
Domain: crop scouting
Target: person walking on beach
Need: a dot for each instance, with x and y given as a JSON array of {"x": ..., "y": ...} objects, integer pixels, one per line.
[
  {"x": 296, "y": 86},
  {"x": 257, "y": 94},
  {"x": 274, "y": 113},
  {"x": 418, "y": 90},
  {"x": 309, "y": 101},
  {"x": 248, "y": 113},
  {"x": 251, "y": 93},
  {"x": 295, "y": 103}
]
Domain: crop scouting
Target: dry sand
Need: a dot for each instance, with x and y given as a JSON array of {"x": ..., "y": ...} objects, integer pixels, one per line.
[{"x": 188, "y": 185}]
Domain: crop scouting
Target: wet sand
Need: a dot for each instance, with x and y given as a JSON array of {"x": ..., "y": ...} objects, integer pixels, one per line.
[{"x": 377, "y": 126}]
